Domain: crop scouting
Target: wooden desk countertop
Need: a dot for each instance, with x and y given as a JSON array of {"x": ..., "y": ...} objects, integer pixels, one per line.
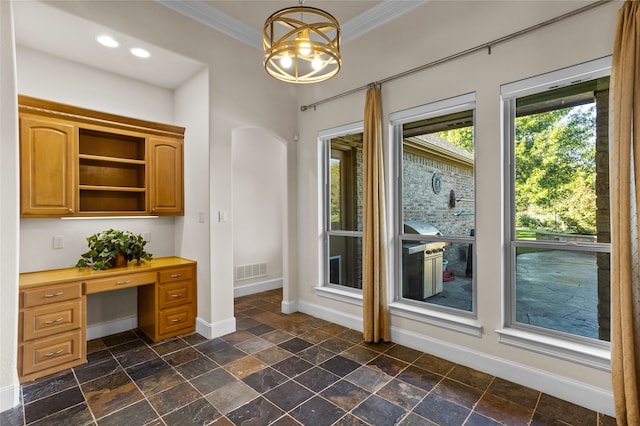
[{"x": 53, "y": 276}]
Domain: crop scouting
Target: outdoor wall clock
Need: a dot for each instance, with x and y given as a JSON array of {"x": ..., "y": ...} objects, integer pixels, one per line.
[{"x": 436, "y": 183}]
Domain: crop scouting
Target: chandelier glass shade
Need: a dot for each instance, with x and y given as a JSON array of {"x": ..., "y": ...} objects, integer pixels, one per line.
[{"x": 301, "y": 45}]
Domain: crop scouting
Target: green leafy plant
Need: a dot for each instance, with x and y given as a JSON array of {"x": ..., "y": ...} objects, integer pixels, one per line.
[{"x": 106, "y": 246}]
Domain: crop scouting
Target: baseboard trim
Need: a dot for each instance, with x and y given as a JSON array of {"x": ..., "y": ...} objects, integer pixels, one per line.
[
  {"x": 10, "y": 394},
  {"x": 96, "y": 331},
  {"x": 247, "y": 289},
  {"x": 217, "y": 329},
  {"x": 289, "y": 307},
  {"x": 591, "y": 397}
]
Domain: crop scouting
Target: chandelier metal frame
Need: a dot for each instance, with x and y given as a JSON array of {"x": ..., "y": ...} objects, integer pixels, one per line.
[{"x": 305, "y": 38}]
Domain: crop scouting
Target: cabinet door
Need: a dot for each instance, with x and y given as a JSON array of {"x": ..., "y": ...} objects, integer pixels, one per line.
[
  {"x": 47, "y": 148},
  {"x": 166, "y": 179}
]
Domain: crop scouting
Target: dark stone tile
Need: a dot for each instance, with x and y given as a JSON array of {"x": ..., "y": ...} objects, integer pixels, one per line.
[
  {"x": 359, "y": 354},
  {"x": 340, "y": 365},
  {"x": 48, "y": 385},
  {"x": 231, "y": 396},
  {"x": 441, "y": 411},
  {"x": 136, "y": 356},
  {"x": 404, "y": 353},
  {"x": 503, "y": 411},
  {"x": 352, "y": 336},
  {"x": 180, "y": 357},
  {"x": 292, "y": 366},
  {"x": 350, "y": 420},
  {"x": 378, "y": 411},
  {"x": 403, "y": 394},
  {"x": 336, "y": 345},
  {"x": 13, "y": 416},
  {"x": 174, "y": 398},
  {"x": 158, "y": 382},
  {"x": 369, "y": 378},
  {"x": 194, "y": 338},
  {"x": 212, "y": 380},
  {"x": 317, "y": 379},
  {"x": 199, "y": 412},
  {"x": 139, "y": 413},
  {"x": 99, "y": 356},
  {"x": 389, "y": 365},
  {"x": 265, "y": 379},
  {"x": 345, "y": 394},
  {"x": 515, "y": 393},
  {"x": 317, "y": 412},
  {"x": 120, "y": 338},
  {"x": 260, "y": 329},
  {"x": 257, "y": 412},
  {"x": 421, "y": 378},
  {"x": 227, "y": 355},
  {"x": 46, "y": 406},
  {"x": 77, "y": 415},
  {"x": 434, "y": 364},
  {"x": 476, "y": 419},
  {"x": 169, "y": 346},
  {"x": 471, "y": 377},
  {"x": 316, "y": 354},
  {"x": 196, "y": 367},
  {"x": 110, "y": 393},
  {"x": 556, "y": 409},
  {"x": 95, "y": 345},
  {"x": 140, "y": 371},
  {"x": 295, "y": 345},
  {"x": 272, "y": 355},
  {"x": 288, "y": 395},
  {"x": 246, "y": 323},
  {"x": 458, "y": 393},
  {"x": 254, "y": 345},
  {"x": 412, "y": 419},
  {"x": 212, "y": 346},
  {"x": 379, "y": 347},
  {"x": 87, "y": 372},
  {"x": 286, "y": 420},
  {"x": 604, "y": 420},
  {"x": 133, "y": 345},
  {"x": 237, "y": 337}
]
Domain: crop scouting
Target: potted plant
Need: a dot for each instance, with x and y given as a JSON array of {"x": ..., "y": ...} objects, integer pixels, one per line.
[{"x": 113, "y": 248}]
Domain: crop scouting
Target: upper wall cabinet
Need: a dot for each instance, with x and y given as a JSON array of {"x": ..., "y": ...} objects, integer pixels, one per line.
[{"x": 78, "y": 162}]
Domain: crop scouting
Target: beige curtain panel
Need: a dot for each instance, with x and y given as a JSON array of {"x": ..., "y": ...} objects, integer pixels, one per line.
[
  {"x": 374, "y": 255},
  {"x": 625, "y": 182}
]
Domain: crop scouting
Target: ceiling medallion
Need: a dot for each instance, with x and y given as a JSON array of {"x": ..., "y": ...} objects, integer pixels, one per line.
[{"x": 301, "y": 45}]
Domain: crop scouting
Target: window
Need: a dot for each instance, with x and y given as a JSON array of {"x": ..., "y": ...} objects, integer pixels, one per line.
[
  {"x": 343, "y": 207},
  {"x": 436, "y": 205},
  {"x": 558, "y": 207}
]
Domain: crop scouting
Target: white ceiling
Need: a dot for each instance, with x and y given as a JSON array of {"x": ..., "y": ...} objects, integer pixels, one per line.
[{"x": 45, "y": 28}]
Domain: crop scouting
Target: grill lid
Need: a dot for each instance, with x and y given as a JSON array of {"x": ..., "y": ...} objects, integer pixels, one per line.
[{"x": 419, "y": 227}]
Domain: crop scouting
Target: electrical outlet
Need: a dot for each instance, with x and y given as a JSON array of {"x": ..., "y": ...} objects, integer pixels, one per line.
[
  {"x": 58, "y": 241},
  {"x": 222, "y": 215},
  {"x": 147, "y": 236},
  {"x": 201, "y": 217}
]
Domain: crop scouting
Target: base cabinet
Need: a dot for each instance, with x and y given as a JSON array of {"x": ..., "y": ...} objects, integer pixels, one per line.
[{"x": 52, "y": 323}]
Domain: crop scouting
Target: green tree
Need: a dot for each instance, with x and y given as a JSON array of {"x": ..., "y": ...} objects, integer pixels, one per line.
[{"x": 461, "y": 137}]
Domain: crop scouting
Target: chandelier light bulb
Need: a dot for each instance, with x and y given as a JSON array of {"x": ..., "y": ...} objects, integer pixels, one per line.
[
  {"x": 304, "y": 46},
  {"x": 285, "y": 61},
  {"x": 316, "y": 64}
]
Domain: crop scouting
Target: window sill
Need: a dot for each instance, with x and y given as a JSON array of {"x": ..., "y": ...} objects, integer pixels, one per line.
[
  {"x": 589, "y": 355},
  {"x": 441, "y": 319},
  {"x": 353, "y": 297}
]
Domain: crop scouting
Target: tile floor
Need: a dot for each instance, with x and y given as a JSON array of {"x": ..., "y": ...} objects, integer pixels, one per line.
[{"x": 283, "y": 370}]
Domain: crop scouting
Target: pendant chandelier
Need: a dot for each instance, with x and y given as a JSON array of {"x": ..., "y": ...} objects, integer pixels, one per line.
[{"x": 301, "y": 45}]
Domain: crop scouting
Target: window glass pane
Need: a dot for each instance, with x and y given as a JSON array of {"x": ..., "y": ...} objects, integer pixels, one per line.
[
  {"x": 560, "y": 290},
  {"x": 438, "y": 174},
  {"x": 345, "y": 175},
  {"x": 345, "y": 261},
  {"x": 438, "y": 273}
]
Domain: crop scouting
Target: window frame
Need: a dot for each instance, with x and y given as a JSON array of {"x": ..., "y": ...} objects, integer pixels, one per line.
[
  {"x": 325, "y": 288},
  {"x": 586, "y": 351},
  {"x": 450, "y": 318}
]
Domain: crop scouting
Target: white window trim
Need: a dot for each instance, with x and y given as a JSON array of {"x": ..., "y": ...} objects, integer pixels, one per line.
[
  {"x": 589, "y": 352},
  {"x": 451, "y": 319},
  {"x": 345, "y": 295}
]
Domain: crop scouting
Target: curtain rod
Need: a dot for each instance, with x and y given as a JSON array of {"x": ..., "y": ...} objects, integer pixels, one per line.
[{"x": 477, "y": 48}]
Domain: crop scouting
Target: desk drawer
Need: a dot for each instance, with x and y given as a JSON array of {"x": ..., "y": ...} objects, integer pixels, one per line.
[
  {"x": 175, "y": 294},
  {"x": 176, "y": 274},
  {"x": 50, "y": 294},
  {"x": 52, "y": 351},
  {"x": 176, "y": 319},
  {"x": 55, "y": 318},
  {"x": 121, "y": 281}
]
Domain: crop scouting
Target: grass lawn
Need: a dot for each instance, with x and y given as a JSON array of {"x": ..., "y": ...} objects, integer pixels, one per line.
[{"x": 525, "y": 234}]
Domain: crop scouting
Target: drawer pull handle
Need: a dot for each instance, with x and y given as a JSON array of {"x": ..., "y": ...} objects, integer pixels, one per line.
[
  {"x": 176, "y": 275},
  {"x": 60, "y": 293},
  {"x": 175, "y": 296},
  {"x": 123, "y": 282},
  {"x": 176, "y": 320},
  {"x": 54, "y": 321},
  {"x": 58, "y": 352}
]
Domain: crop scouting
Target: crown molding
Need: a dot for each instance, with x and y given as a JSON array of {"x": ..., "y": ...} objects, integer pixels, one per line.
[{"x": 376, "y": 16}]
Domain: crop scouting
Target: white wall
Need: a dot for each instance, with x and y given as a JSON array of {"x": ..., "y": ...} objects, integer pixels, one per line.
[
  {"x": 258, "y": 161},
  {"x": 431, "y": 32},
  {"x": 9, "y": 195}
]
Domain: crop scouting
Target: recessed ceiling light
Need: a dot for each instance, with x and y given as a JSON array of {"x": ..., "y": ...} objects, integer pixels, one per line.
[
  {"x": 108, "y": 41},
  {"x": 140, "y": 53}
]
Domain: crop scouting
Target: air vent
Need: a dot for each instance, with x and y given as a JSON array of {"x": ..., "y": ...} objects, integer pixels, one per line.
[{"x": 253, "y": 270}]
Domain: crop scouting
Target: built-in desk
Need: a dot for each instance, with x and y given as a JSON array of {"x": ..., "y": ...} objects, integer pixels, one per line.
[{"x": 53, "y": 309}]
